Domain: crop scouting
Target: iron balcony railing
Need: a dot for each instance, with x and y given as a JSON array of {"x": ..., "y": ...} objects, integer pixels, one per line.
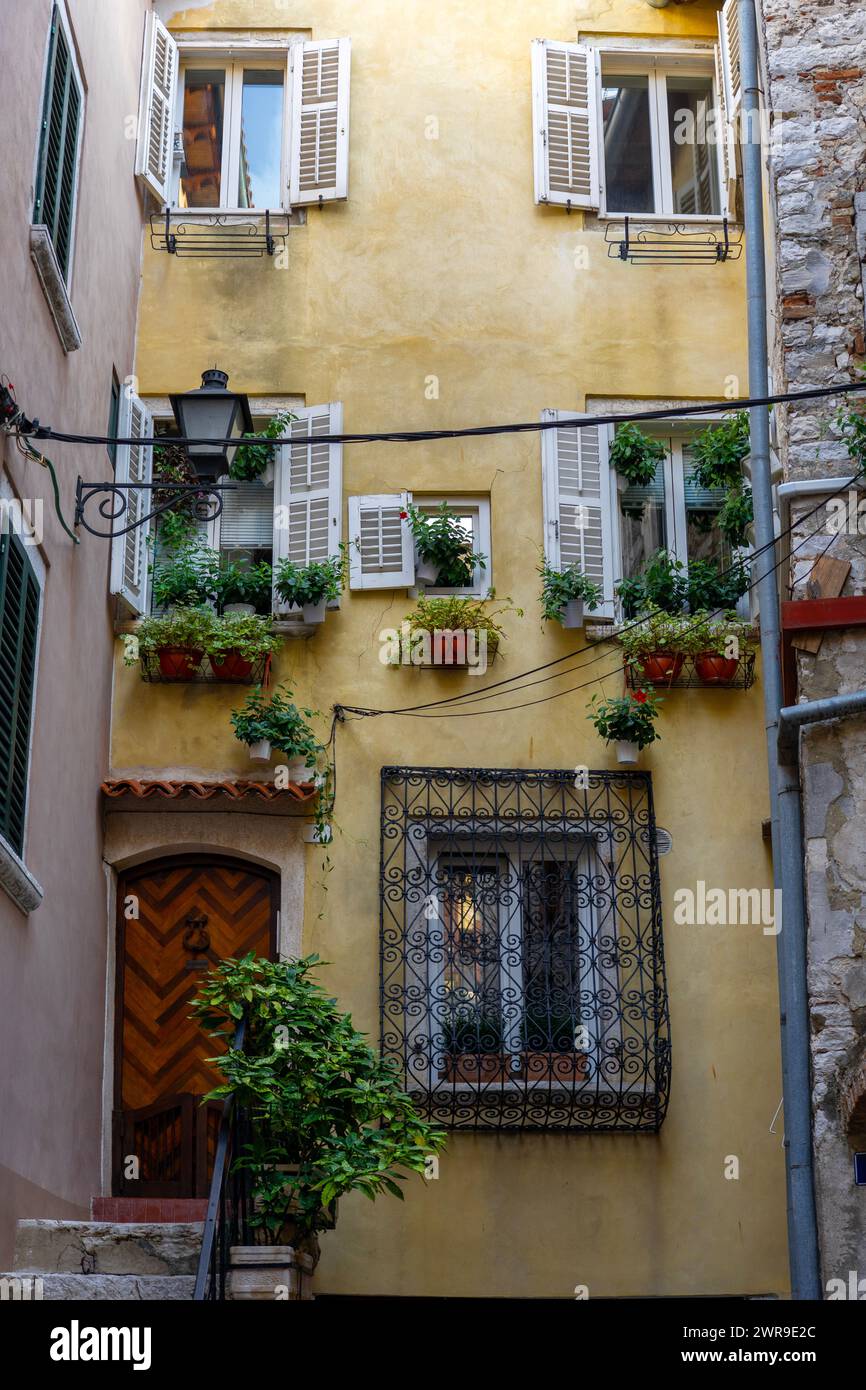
[{"x": 522, "y": 968}]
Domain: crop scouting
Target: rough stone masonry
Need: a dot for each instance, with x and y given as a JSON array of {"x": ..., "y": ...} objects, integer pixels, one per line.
[{"x": 815, "y": 58}]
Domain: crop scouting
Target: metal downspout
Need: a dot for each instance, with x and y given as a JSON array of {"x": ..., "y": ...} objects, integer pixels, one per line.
[{"x": 784, "y": 783}]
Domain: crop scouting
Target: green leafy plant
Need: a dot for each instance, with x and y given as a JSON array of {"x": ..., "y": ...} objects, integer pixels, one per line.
[
  {"x": 187, "y": 578},
  {"x": 249, "y": 635},
  {"x": 627, "y": 718},
  {"x": 635, "y": 455},
  {"x": 251, "y": 460},
  {"x": 244, "y": 583},
  {"x": 277, "y": 718},
  {"x": 178, "y": 525},
  {"x": 668, "y": 585},
  {"x": 657, "y": 632},
  {"x": 851, "y": 424},
  {"x": 719, "y": 451},
  {"x": 441, "y": 540},
  {"x": 468, "y": 1029},
  {"x": 713, "y": 635},
  {"x": 736, "y": 516},
  {"x": 708, "y": 587},
  {"x": 558, "y": 587},
  {"x": 310, "y": 584},
  {"x": 455, "y": 614},
  {"x": 190, "y": 628},
  {"x": 327, "y": 1115}
]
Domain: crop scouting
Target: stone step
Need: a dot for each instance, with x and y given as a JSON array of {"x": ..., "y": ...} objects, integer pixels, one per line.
[
  {"x": 92, "y": 1248},
  {"x": 123, "y": 1288}
]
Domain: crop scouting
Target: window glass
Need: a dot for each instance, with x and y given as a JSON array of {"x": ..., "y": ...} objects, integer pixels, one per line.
[
  {"x": 261, "y": 139},
  {"x": 694, "y": 172},
  {"x": 113, "y": 417},
  {"x": 628, "y": 157},
  {"x": 643, "y": 523},
  {"x": 203, "y": 121},
  {"x": 472, "y": 1001},
  {"x": 704, "y": 541}
]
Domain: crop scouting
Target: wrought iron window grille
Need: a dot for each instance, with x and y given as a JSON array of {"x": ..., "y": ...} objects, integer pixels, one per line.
[
  {"x": 673, "y": 243},
  {"x": 522, "y": 966},
  {"x": 225, "y": 236}
]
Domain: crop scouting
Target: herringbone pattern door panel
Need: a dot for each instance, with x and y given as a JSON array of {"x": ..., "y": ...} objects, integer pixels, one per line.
[{"x": 189, "y": 915}]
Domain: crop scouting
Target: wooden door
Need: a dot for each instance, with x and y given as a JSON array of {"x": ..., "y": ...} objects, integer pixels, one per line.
[{"x": 175, "y": 919}]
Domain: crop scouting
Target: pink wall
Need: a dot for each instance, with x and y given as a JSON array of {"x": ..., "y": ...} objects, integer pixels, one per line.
[{"x": 53, "y": 963}]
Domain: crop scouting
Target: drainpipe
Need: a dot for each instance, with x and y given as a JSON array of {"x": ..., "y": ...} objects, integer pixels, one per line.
[{"x": 783, "y": 778}]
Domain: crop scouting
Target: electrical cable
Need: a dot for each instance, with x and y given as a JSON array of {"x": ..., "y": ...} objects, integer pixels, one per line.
[
  {"x": 32, "y": 455},
  {"x": 32, "y": 428}
]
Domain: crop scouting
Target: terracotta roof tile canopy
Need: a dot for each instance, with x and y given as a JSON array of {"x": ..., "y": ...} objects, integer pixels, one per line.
[{"x": 207, "y": 791}]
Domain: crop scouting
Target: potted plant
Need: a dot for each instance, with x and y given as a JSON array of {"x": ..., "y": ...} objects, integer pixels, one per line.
[
  {"x": 719, "y": 452},
  {"x": 238, "y": 641},
  {"x": 718, "y": 644},
  {"x": 666, "y": 583},
  {"x": 657, "y": 646},
  {"x": 187, "y": 578},
  {"x": 256, "y": 461},
  {"x": 628, "y": 721},
  {"x": 443, "y": 548},
  {"x": 549, "y": 1052},
  {"x": 635, "y": 455},
  {"x": 564, "y": 594},
  {"x": 273, "y": 723},
  {"x": 179, "y": 640},
  {"x": 473, "y": 1047},
  {"x": 453, "y": 629},
  {"x": 326, "y": 1115},
  {"x": 243, "y": 588},
  {"x": 312, "y": 587}
]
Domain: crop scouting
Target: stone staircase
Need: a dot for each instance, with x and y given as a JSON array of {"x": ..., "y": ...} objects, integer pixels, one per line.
[{"x": 102, "y": 1260}]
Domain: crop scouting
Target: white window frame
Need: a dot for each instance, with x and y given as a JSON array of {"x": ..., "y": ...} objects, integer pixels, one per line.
[
  {"x": 638, "y": 58},
  {"x": 235, "y": 58},
  {"x": 427, "y": 849},
  {"x": 677, "y": 431},
  {"x": 480, "y": 505}
]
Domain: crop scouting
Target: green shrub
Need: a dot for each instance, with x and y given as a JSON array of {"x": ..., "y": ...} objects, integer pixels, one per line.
[
  {"x": 635, "y": 455},
  {"x": 244, "y": 583},
  {"x": 310, "y": 584},
  {"x": 558, "y": 587},
  {"x": 441, "y": 540},
  {"x": 277, "y": 719},
  {"x": 627, "y": 718},
  {"x": 187, "y": 578}
]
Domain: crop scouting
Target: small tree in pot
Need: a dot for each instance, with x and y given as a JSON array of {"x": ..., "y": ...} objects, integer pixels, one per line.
[
  {"x": 635, "y": 455},
  {"x": 564, "y": 593},
  {"x": 312, "y": 587},
  {"x": 327, "y": 1116},
  {"x": 267, "y": 723}
]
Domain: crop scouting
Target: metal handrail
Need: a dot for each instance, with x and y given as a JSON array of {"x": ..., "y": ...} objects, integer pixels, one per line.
[{"x": 205, "y": 1279}]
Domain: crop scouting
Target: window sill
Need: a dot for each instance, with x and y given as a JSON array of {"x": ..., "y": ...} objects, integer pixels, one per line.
[
  {"x": 17, "y": 880},
  {"x": 710, "y": 219},
  {"x": 44, "y": 258}
]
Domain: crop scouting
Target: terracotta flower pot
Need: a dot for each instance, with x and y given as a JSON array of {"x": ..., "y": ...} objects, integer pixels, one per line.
[
  {"x": 179, "y": 663},
  {"x": 661, "y": 668},
  {"x": 475, "y": 1067},
  {"x": 231, "y": 666},
  {"x": 716, "y": 670}
]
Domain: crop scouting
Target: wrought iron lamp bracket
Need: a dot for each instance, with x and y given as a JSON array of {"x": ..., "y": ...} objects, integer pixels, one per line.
[{"x": 114, "y": 503}]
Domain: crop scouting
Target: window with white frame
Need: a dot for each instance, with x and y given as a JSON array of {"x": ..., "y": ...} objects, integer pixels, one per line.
[
  {"x": 292, "y": 512},
  {"x": 59, "y": 153},
  {"x": 610, "y": 529},
  {"x": 235, "y": 127},
  {"x": 626, "y": 128},
  {"x": 381, "y": 549}
]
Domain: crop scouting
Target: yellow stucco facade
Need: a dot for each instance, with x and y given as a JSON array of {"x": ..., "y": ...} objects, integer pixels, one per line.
[{"x": 440, "y": 265}]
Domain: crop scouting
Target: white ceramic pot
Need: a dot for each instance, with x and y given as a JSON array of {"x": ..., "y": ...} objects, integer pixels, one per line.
[
  {"x": 269, "y": 1273},
  {"x": 315, "y": 612},
  {"x": 260, "y": 752},
  {"x": 627, "y": 752},
  {"x": 621, "y": 482},
  {"x": 267, "y": 476},
  {"x": 426, "y": 571},
  {"x": 572, "y": 613},
  {"x": 247, "y": 609}
]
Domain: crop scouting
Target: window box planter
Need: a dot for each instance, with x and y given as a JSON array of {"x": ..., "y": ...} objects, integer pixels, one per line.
[
  {"x": 231, "y": 666},
  {"x": 474, "y": 1067},
  {"x": 661, "y": 668}
]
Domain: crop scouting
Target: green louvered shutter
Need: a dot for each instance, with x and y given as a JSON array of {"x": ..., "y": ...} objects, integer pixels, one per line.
[
  {"x": 19, "y": 625},
  {"x": 58, "y": 148}
]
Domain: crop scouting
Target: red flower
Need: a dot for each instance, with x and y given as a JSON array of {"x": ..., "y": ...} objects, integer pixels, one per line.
[
  {"x": 640, "y": 696},
  {"x": 404, "y": 516}
]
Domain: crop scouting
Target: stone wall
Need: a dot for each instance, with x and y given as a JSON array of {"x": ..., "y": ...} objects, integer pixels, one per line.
[{"x": 815, "y": 56}]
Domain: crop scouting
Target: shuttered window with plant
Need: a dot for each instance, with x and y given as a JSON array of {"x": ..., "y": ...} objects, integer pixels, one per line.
[
  {"x": 60, "y": 135},
  {"x": 19, "y": 628}
]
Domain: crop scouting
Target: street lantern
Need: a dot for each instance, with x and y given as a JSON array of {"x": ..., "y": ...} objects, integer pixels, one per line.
[{"x": 212, "y": 413}]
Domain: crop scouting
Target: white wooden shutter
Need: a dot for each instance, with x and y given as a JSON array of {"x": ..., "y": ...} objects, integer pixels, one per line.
[
  {"x": 381, "y": 552},
  {"x": 308, "y": 489},
  {"x": 729, "y": 44},
  {"x": 565, "y": 118},
  {"x": 726, "y": 139},
  {"x": 134, "y": 464},
  {"x": 578, "y": 522},
  {"x": 159, "y": 70},
  {"x": 319, "y": 137}
]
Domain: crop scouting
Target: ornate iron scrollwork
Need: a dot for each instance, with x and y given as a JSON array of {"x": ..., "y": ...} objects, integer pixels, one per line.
[{"x": 114, "y": 502}]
